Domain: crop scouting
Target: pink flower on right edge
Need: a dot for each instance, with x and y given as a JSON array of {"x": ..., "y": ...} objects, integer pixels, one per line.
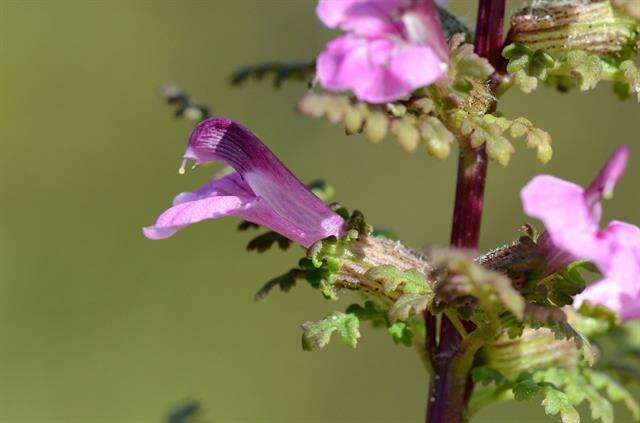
[
  {"x": 572, "y": 215},
  {"x": 392, "y": 47}
]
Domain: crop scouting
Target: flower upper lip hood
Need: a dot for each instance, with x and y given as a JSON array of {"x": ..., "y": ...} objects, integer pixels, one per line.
[
  {"x": 391, "y": 48},
  {"x": 261, "y": 190},
  {"x": 572, "y": 215}
]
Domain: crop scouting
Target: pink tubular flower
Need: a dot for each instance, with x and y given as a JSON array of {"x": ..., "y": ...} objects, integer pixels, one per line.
[
  {"x": 392, "y": 47},
  {"x": 261, "y": 190},
  {"x": 571, "y": 216}
]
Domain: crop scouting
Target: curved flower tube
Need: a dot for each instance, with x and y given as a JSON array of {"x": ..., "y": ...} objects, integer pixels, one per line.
[
  {"x": 571, "y": 216},
  {"x": 392, "y": 47},
  {"x": 261, "y": 190}
]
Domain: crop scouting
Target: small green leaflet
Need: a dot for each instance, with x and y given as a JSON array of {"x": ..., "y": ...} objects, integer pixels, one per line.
[{"x": 316, "y": 335}]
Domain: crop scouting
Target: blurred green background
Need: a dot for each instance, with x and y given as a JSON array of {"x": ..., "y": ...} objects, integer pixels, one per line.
[{"x": 98, "y": 324}]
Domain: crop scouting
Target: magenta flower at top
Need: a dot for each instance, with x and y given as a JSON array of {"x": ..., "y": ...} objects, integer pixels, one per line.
[
  {"x": 572, "y": 215},
  {"x": 392, "y": 47},
  {"x": 261, "y": 190}
]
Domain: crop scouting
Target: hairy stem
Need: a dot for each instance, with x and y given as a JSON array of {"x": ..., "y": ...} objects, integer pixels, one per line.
[{"x": 451, "y": 385}]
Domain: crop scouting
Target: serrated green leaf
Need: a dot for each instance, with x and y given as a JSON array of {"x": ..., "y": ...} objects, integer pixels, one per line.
[
  {"x": 526, "y": 390},
  {"x": 370, "y": 312},
  {"x": 281, "y": 71},
  {"x": 555, "y": 402},
  {"x": 285, "y": 282},
  {"x": 486, "y": 376},
  {"x": 615, "y": 391},
  {"x": 316, "y": 335},
  {"x": 401, "y": 333},
  {"x": 265, "y": 241},
  {"x": 600, "y": 407}
]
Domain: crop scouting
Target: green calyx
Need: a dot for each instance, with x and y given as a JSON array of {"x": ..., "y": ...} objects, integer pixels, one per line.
[
  {"x": 325, "y": 258},
  {"x": 560, "y": 27},
  {"x": 534, "y": 349}
]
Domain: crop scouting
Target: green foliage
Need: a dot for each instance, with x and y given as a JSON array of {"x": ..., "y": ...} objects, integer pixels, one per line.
[
  {"x": 562, "y": 391},
  {"x": 265, "y": 241},
  {"x": 488, "y": 130},
  {"x": 410, "y": 125},
  {"x": 281, "y": 71},
  {"x": 526, "y": 389},
  {"x": 486, "y": 376},
  {"x": 285, "y": 282},
  {"x": 491, "y": 130},
  {"x": 585, "y": 67},
  {"x": 631, "y": 80},
  {"x": 371, "y": 312},
  {"x": 437, "y": 137},
  {"x": 527, "y": 66},
  {"x": 534, "y": 138},
  {"x": 566, "y": 69},
  {"x": 325, "y": 258},
  {"x": 619, "y": 355},
  {"x": 461, "y": 276},
  {"x": 189, "y": 412},
  {"x": 400, "y": 332},
  {"x": 594, "y": 320},
  {"x": 569, "y": 283},
  {"x": 465, "y": 65},
  {"x": 316, "y": 335},
  {"x": 575, "y": 44},
  {"x": 615, "y": 391},
  {"x": 565, "y": 389},
  {"x": 556, "y": 402}
]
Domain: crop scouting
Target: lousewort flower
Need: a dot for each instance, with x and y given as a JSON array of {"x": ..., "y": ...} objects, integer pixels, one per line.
[
  {"x": 391, "y": 48},
  {"x": 261, "y": 190},
  {"x": 572, "y": 215}
]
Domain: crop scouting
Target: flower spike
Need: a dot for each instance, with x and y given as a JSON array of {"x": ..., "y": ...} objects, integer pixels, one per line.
[{"x": 261, "y": 190}]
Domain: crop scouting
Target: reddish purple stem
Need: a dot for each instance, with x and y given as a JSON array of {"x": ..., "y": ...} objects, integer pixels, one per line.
[{"x": 449, "y": 392}]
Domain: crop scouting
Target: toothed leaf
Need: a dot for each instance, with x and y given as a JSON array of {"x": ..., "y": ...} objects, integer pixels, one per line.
[{"x": 316, "y": 335}]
